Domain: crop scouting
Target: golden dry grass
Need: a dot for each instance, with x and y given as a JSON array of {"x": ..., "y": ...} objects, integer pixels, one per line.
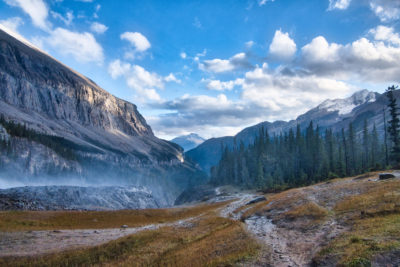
[
  {"x": 211, "y": 241},
  {"x": 309, "y": 210},
  {"x": 367, "y": 238},
  {"x": 369, "y": 208},
  {"x": 374, "y": 217},
  {"x": 52, "y": 220}
]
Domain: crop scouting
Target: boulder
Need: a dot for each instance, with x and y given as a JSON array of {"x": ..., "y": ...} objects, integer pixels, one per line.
[
  {"x": 384, "y": 176},
  {"x": 256, "y": 200}
]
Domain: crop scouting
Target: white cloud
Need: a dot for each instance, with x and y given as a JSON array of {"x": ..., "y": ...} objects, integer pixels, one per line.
[
  {"x": 171, "y": 78},
  {"x": 263, "y": 2},
  {"x": 136, "y": 77},
  {"x": 83, "y": 47},
  {"x": 286, "y": 96},
  {"x": 266, "y": 95},
  {"x": 96, "y": 10},
  {"x": 36, "y": 9},
  {"x": 138, "y": 40},
  {"x": 203, "y": 114},
  {"x": 386, "y": 10},
  {"x": 282, "y": 46},
  {"x": 98, "y": 28},
  {"x": 69, "y": 16},
  {"x": 223, "y": 65},
  {"x": 249, "y": 44},
  {"x": 383, "y": 33},
  {"x": 221, "y": 86},
  {"x": 319, "y": 50},
  {"x": 363, "y": 60},
  {"x": 338, "y": 4},
  {"x": 12, "y": 23},
  {"x": 183, "y": 55}
]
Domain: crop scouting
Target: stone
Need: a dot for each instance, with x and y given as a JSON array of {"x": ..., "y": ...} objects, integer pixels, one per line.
[
  {"x": 384, "y": 176},
  {"x": 256, "y": 200}
]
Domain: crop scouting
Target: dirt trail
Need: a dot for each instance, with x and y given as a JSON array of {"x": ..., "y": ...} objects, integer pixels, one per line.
[
  {"x": 27, "y": 243},
  {"x": 241, "y": 200},
  {"x": 288, "y": 247},
  {"x": 282, "y": 245}
]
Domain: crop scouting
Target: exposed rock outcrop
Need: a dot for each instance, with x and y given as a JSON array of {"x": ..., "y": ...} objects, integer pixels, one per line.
[{"x": 108, "y": 139}]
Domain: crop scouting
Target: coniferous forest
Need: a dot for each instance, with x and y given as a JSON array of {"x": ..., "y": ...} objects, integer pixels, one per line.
[
  {"x": 298, "y": 158},
  {"x": 305, "y": 156}
]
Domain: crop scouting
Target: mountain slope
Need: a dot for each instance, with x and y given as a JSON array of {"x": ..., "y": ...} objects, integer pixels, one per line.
[
  {"x": 110, "y": 141},
  {"x": 335, "y": 114},
  {"x": 189, "y": 141}
]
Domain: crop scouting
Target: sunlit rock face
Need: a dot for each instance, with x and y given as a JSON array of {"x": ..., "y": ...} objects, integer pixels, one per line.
[{"x": 101, "y": 139}]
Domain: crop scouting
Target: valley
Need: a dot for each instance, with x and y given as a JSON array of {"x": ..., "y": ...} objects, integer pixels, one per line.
[
  {"x": 300, "y": 167},
  {"x": 345, "y": 221}
]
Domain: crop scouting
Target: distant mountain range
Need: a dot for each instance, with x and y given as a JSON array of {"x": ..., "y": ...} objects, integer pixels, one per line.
[
  {"x": 335, "y": 114},
  {"x": 60, "y": 126},
  {"x": 189, "y": 141}
]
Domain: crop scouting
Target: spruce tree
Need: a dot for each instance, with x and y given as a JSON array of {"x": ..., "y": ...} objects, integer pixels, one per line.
[{"x": 394, "y": 124}]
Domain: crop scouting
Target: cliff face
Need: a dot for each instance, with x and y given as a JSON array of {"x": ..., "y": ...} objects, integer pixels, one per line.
[{"x": 109, "y": 138}]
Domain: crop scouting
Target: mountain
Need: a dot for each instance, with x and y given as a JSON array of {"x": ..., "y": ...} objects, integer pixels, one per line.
[
  {"x": 58, "y": 126},
  {"x": 335, "y": 114},
  {"x": 189, "y": 141}
]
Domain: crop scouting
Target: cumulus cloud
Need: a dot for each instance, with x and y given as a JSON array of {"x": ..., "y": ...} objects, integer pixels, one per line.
[
  {"x": 375, "y": 60},
  {"x": 136, "y": 77},
  {"x": 387, "y": 34},
  {"x": 338, "y": 4},
  {"x": 277, "y": 92},
  {"x": 221, "y": 86},
  {"x": 36, "y": 9},
  {"x": 282, "y": 46},
  {"x": 12, "y": 23},
  {"x": 267, "y": 94},
  {"x": 386, "y": 10},
  {"x": 223, "y": 65},
  {"x": 138, "y": 40},
  {"x": 98, "y": 28},
  {"x": 202, "y": 114},
  {"x": 83, "y": 47}
]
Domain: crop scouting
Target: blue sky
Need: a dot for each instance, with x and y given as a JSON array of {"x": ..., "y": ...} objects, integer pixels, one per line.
[{"x": 215, "y": 67}]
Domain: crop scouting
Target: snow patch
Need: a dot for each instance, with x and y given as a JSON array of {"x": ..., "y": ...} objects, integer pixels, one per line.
[{"x": 346, "y": 105}]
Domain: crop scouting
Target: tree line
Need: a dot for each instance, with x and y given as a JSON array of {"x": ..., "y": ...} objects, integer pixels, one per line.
[
  {"x": 297, "y": 158},
  {"x": 59, "y": 145}
]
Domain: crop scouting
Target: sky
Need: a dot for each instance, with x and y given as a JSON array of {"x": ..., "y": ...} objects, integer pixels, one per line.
[{"x": 215, "y": 67}]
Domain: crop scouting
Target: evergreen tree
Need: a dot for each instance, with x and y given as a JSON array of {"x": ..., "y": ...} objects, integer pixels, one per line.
[{"x": 394, "y": 124}]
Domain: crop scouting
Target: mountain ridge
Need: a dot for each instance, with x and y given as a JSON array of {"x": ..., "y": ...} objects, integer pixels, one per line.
[
  {"x": 188, "y": 141},
  {"x": 111, "y": 139},
  {"x": 325, "y": 115}
]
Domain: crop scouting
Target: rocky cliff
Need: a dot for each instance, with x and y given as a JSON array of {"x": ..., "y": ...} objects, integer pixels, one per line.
[{"x": 65, "y": 127}]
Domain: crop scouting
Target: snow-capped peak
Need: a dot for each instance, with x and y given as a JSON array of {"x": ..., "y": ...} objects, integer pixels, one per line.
[
  {"x": 188, "y": 141},
  {"x": 346, "y": 105}
]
